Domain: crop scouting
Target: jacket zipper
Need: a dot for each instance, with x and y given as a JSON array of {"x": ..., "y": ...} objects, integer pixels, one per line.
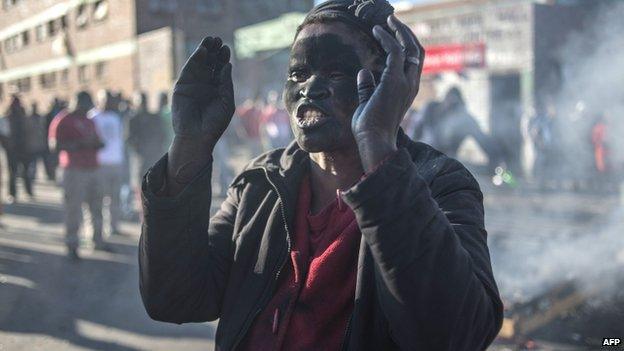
[
  {"x": 263, "y": 301},
  {"x": 345, "y": 340}
]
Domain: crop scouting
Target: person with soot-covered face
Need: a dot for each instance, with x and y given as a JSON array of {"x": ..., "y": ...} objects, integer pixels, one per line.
[{"x": 352, "y": 237}]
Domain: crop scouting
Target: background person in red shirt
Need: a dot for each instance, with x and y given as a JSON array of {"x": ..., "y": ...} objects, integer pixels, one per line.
[{"x": 76, "y": 139}]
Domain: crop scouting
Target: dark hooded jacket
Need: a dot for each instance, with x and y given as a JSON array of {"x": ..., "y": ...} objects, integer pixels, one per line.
[{"x": 424, "y": 279}]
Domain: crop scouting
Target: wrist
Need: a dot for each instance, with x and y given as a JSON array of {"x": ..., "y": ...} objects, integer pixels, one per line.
[
  {"x": 193, "y": 142},
  {"x": 373, "y": 150},
  {"x": 187, "y": 156}
]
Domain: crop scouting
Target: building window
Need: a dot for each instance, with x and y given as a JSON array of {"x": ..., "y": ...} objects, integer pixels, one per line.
[
  {"x": 65, "y": 75},
  {"x": 8, "y": 3},
  {"x": 19, "y": 42},
  {"x": 15, "y": 43},
  {"x": 47, "y": 80},
  {"x": 25, "y": 85},
  {"x": 63, "y": 22},
  {"x": 82, "y": 16},
  {"x": 25, "y": 38},
  {"x": 21, "y": 85},
  {"x": 100, "y": 70},
  {"x": 53, "y": 28},
  {"x": 83, "y": 76},
  {"x": 9, "y": 45},
  {"x": 40, "y": 32},
  {"x": 100, "y": 10}
]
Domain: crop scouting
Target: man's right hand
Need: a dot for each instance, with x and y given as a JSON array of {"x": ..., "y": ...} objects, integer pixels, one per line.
[{"x": 203, "y": 96}]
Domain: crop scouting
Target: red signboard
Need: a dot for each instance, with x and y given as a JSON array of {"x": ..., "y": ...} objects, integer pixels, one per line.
[{"x": 453, "y": 58}]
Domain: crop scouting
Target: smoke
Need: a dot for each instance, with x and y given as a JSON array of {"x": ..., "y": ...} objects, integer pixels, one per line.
[
  {"x": 591, "y": 255},
  {"x": 573, "y": 239},
  {"x": 592, "y": 84}
]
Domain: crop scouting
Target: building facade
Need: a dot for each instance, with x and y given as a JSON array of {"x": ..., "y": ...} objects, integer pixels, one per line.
[
  {"x": 502, "y": 55},
  {"x": 54, "y": 48}
]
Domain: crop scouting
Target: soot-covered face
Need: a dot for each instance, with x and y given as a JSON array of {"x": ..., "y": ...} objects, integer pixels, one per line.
[{"x": 320, "y": 93}]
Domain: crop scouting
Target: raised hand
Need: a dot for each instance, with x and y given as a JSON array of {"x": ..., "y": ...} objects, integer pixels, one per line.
[
  {"x": 382, "y": 106},
  {"x": 203, "y": 96},
  {"x": 202, "y": 108}
]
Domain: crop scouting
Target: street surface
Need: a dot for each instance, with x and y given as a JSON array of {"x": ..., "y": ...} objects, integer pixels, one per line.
[{"x": 48, "y": 302}]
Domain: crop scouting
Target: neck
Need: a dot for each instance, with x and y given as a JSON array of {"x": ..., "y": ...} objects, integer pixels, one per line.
[{"x": 330, "y": 171}]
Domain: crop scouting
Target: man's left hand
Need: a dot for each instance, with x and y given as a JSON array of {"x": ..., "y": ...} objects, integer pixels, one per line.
[{"x": 382, "y": 106}]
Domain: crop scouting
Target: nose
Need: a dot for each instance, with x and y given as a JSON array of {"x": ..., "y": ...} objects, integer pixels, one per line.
[{"x": 315, "y": 89}]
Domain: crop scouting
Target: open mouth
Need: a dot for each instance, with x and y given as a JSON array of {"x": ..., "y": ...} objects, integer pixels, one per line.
[{"x": 309, "y": 117}]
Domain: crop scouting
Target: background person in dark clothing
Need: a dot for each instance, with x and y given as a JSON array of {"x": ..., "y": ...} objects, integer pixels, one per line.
[
  {"x": 4, "y": 142},
  {"x": 18, "y": 155},
  {"x": 37, "y": 142},
  {"x": 543, "y": 132},
  {"x": 451, "y": 124},
  {"x": 353, "y": 237},
  {"x": 50, "y": 156},
  {"x": 146, "y": 134}
]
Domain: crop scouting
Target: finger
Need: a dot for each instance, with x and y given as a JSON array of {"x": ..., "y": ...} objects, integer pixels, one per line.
[
  {"x": 365, "y": 85},
  {"x": 401, "y": 33},
  {"x": 396, "y": 56},
  {"x": 217, "y": 43},
  {"x": 413, "y": 49},
  {"x": 420, "y": 51},
  {"x": 199, "y": 55},
  {"x": 226, "y": 88},
  {"x": 211, "y": 43},
  {"x": 207, "y": 42},
  {"x": 223, "y": 55},
  {"x": 194, "y": 67},
  {"x": 419, "y": 48}
]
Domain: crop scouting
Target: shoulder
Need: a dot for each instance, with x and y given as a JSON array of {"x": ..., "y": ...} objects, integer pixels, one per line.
[
  {"x": 443, "y": 174},
  {"x": 285, "y": 162},
  {"x": 267, "y": 159}
]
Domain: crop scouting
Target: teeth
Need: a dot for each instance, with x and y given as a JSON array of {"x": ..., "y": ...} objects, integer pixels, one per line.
[
  {"x": 305, "y": 123},
  {"x": 312, "y": 113},
  {"x": 310, "y": 117}
]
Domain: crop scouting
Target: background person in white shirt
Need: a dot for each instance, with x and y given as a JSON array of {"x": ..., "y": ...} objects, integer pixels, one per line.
[{"x": 111, "y": 157}]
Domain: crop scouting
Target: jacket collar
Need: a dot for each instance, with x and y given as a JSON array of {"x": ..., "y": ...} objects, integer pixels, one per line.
[{"x": 293, "y": 158}]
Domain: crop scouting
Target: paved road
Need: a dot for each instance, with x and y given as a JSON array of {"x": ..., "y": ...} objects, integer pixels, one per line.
[{"x": 48, "y": 302}]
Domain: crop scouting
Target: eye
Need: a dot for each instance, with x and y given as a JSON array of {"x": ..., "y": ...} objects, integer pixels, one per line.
[{"x": 298, "y": 76}]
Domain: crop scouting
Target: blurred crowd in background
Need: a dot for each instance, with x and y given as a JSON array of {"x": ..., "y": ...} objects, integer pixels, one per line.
[
  {"x": 263, "y": 124},
  {"x": 139, "y": 137}
]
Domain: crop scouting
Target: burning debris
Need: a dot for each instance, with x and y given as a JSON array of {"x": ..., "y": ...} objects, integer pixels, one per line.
[{"x": 580, "y": 299}]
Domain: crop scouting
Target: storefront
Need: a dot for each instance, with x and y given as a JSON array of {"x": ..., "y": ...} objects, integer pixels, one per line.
[{"x": 496, "y": 53}]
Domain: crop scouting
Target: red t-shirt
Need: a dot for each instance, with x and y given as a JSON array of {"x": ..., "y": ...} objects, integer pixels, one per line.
[
  {"x": 250, "y": 117},
  {"x": 72, "y": 127},
  {"x": 313, "y": 302}
]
